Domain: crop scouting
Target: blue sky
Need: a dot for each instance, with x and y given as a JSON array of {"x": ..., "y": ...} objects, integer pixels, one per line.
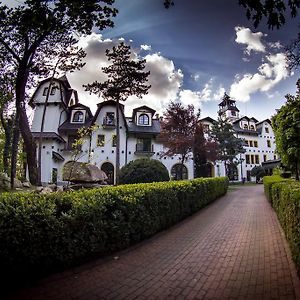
[
  {"x": 199, "y": 37},
  {"x": 195, "y": 52}
]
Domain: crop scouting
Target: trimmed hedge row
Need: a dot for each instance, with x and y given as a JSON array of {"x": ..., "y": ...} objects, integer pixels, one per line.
[
  {"x": 284, "y": 196},
  {"x": 45, "y": 232}
]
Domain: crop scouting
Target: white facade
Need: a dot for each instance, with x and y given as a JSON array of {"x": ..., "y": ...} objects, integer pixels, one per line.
[
  {"x": 65, "y": 115},
  {"x": 138, "y": 135}
]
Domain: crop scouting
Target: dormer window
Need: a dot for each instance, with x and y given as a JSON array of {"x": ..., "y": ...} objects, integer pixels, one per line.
[
  {"x": 143, "y": 119},
  {"x": 246, "y": 126},
  {"x": 251, "y": 127},
  {"x": 45, "y": 91},
  {"x": 233, "y": 113},
  {"x": 78, "y": 117},
  {"x": 52, "y": 92}
]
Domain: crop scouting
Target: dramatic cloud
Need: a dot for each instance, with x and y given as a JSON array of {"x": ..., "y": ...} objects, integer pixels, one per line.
[
  {"x": 252, "y": 40},
  {"x": 165, "y": 79},
  {"x": 269, "y": 74}
]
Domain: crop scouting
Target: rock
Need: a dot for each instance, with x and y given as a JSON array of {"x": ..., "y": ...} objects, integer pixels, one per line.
[
  {"x": 17, "y": 183},
  {"x": 26, "y": 184},
  {"x": 39, "y": 189},
  {"x": 4, "y": 181},
  {"x": 19, "y": 189},
  {"x": 46, "y": 190},
  {"x": 78, "y": 172},
  {"x": 59, "y": 188}
]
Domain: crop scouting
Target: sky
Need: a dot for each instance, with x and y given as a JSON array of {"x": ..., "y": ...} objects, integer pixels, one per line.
[{"x": 195, "y": 51}]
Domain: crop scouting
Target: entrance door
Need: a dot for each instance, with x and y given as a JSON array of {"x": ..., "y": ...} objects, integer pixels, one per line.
[
  {"x": 248, "y": 175},
  {"x": 108, "y": 169}
]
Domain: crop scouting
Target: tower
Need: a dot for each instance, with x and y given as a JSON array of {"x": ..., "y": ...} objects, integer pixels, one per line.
[{"x": 228, "y": 109}]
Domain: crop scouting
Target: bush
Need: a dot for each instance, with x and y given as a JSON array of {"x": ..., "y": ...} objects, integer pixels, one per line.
[
  {"x": 45, "y": 232},
  {"x": 285, "y": 199},
  {"x": 143, "y": 170}
]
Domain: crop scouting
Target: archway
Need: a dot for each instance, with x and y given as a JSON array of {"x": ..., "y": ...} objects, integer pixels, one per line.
[
  {"x": 177, "y": 174},
  {"x": 109, "y": 170}
]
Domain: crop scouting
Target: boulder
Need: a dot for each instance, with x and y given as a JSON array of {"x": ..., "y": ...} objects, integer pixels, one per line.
[
  {"x": 17, "y": 183},
  {"x": 26, "y": 184},
  {"x": 79, "y": 172},
  {"x": 46, "y": 190},
  {"x": 4, "y": 181}
]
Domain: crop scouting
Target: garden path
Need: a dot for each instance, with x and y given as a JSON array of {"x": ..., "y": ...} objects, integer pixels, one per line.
[{"x": 234, "y": 248}]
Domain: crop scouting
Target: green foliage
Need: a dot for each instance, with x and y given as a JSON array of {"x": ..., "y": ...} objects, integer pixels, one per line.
[
  {"x": 286, "y": 125},
  {"x": 258, "y": 172},
  {"x": 44, "y": 232},
  {"x": 143, "y": 170},
  {"x": 229, "y": 146},
  {"x": 285, "y": 198}
]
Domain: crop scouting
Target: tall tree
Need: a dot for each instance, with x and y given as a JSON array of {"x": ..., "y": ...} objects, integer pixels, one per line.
[
  {"x": 178, "y": 129},
  {"x": 286, "y": 125},
  {"x": 229, "y": 146},
  {"x": 126, "y": 77},
  {"x": 27, "y": 35}
]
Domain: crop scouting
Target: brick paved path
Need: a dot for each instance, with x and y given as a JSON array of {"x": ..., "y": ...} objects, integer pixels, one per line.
[{"x": 232, "y": 249}]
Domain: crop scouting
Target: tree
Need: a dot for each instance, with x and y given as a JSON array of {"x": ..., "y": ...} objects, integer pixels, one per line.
[
  {"x": 258, "y": 172},
  {"x": 126, "y": 77},
  {"x": 178, "y": 129},
  {"x": 205, "y": 150},
  {"x": 29, "y": 33},
  {"x": 286, "y": 125},
  {"x": 143, "y": 170},
  {"x": 229, "y": 146}
]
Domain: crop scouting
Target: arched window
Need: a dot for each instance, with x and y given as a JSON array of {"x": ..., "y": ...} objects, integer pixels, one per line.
[
  {"x": 78, "y": 117},
  {"x": 143, "y": 119},
  {"x": 251, "y": 127},
  {"x": 245, "y": 126},
  {"x": 179, "y": 172}
]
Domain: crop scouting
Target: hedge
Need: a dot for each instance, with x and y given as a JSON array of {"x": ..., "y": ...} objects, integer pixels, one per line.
[
  {"x": 284, "y": 196},
  {"x": 47, "y": 232}
]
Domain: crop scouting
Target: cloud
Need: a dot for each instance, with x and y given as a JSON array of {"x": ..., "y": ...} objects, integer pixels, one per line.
[
  {"x": 165, "y": 80},
  {"x": 187, "y": 97},
  {"x": 146, "y": 47},
  {"x": 252, "y": 40},
  {"x": 269, "y": 74}
]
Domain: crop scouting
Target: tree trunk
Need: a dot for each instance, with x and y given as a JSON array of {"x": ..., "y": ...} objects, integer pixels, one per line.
[
  {"x": 7, "y": 126},
  {"x": 22, "y": 119},
  {"x": 117, "y": 141},
  {"x": 14, "y": 150}
]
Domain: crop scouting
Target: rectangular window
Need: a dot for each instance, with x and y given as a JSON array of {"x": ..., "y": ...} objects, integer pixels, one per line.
[
  {"x": 71, "y": 140},
  {"x": 251, "y": 143},
  {"x": 275, "y": 157},
  {"x": 257, "y": 159},
  {"x": 54, "y": 175},
  {"x": 246, "y": 143},
  {"x": 269, "y": 143},
  {"x": 247, "y": 159},
  {"x": 265, "y": 157},
  {"x": 252, "y": 159},
  {"x": 143, "y": 145},
  {"x": 101, "y": 140},
  {"x": 255, "y": 144},
  {"x": 114, "y": 141},
  {"x": 267, "y": 129},
  {"x": 45, "y": 91}
]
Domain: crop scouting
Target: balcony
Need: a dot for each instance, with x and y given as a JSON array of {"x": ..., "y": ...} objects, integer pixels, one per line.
[
  {"x": 144, "y": 149},
  {"x": 109, "y": 123}
]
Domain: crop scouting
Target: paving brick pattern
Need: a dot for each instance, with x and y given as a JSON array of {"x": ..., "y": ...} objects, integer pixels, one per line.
[{"x": 233, "y": 249}]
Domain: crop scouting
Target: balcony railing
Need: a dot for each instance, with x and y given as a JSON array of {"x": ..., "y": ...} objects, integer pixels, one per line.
[
  {"x": 109, "y": 122},
  {"x": 144, "y": 149}
]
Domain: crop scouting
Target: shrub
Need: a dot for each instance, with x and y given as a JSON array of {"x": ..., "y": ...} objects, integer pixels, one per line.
[
  {"x": 143, "y": 170},
  {"x": 42, "y": 232},
  {"x": 285, "y": 199}
]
